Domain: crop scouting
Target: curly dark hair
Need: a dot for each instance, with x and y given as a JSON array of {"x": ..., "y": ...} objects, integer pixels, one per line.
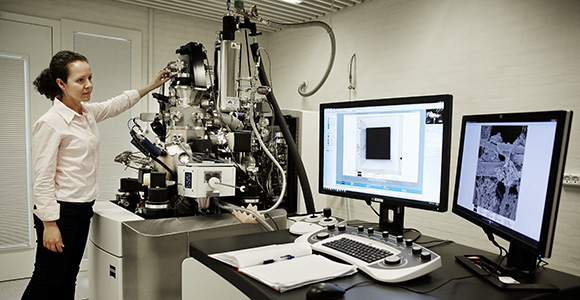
[{"x": 46, "y": 84}]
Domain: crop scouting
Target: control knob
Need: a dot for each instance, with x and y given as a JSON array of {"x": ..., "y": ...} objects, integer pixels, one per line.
[
  {"x": 392, "y": 260},
  {"x": 322, "y": 235},
  {"x": 416, "y": 250}
]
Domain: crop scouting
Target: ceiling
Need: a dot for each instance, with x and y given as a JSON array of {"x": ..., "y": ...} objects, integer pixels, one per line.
[{"x": 276, "y": 10}]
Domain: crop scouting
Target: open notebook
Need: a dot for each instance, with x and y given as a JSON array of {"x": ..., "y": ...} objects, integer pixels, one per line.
[{"x": 285, "y": 266}]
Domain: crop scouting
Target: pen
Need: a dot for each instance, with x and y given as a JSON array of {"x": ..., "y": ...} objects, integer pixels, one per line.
[{"x": 271, "y": 260}]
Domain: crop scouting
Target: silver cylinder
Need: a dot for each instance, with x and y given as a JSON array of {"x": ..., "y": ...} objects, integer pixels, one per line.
[{"x": 229, "y": 74}]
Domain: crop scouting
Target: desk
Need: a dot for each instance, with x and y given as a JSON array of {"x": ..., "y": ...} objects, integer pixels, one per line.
[{"x": 471, "y": 288}]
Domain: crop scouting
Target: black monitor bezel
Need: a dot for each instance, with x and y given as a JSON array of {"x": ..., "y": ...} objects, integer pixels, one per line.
[
  {"x": 543, "y": 246},
  {"x": 447, "y": 100}
]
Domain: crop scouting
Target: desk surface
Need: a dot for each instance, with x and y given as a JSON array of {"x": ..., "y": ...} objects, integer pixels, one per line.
[{"x": 469, "y": 288}]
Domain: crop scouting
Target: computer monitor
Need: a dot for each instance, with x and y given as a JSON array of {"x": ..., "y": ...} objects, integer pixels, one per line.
[
  {"x": 509, "y": 176},
  {"x": 391, "y": 151}
]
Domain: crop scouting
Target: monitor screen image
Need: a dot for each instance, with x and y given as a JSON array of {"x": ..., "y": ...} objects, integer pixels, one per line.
[
  {"x": 509, "y": 177},
  {"x": 392, "y": 151}
]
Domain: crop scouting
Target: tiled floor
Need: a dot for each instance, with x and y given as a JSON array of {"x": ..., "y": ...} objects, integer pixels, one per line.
[{"x": 12, "y": 290}]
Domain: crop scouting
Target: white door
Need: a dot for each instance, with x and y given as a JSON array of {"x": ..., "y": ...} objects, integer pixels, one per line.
[{"x": 26, "y": 47}]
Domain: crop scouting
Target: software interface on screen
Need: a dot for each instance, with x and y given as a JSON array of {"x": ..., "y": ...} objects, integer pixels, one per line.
[
  {"x": 390, "y": 151},
  {"x": 504, "y": 173}
]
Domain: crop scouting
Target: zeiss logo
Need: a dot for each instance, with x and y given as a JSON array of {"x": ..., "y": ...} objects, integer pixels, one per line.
[{"x": 187, "y": 184}]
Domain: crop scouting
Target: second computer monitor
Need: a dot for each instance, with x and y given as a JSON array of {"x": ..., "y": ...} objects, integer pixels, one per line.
[{"x": 509, "y": 176}]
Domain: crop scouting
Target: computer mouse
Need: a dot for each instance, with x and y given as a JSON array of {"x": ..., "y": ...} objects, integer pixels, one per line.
[{"x": 324, "y": 291}]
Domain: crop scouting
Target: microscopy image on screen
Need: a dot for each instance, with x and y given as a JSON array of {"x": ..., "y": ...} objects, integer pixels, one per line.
[
  {"x": 378, "y": 143},
  {"x": 499, "y": 169}
]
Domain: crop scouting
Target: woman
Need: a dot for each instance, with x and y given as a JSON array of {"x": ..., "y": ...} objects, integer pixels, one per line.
[{"x": 66, "y": 155}]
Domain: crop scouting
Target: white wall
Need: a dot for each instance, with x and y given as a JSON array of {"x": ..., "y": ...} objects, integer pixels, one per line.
[{"x": 494, "y": 55}]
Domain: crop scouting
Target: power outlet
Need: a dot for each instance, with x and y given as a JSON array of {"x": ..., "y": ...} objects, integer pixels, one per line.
[{"x": 571, "y": 180}]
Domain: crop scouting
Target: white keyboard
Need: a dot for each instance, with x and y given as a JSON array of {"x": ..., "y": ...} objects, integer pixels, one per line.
[{"x": 384, "y": 257}]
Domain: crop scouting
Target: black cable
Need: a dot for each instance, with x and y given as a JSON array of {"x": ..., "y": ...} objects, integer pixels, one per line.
[
  {"x": 494, "y": 242},
  {"x": 491, "y": 237},
  {"x": 304, "y": 214},
  {"x": 269, "y": 67},
  {"x": 273, "y": 221},
  {"x": 129, "y": 121},
  {"x": 415, "y": 230},
  {"x": 368, "y": 202},
  {"x": 432, "y": 241},
  {"x": 272, "y": 122},
  {"x": 541, "y": 263},
  {"x": 436, "y": 287},
  {"x": 216, "y": 71},
  {"x": 437, "y": 243},
  {"x": 495, "y": 270},
  {"x": 359, "y": 284},
  {"x": 292, "y": 148},
  {"x": 248, "y": 54}
]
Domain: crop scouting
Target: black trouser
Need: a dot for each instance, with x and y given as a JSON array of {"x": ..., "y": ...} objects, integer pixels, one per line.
[{"x": 55, "y": 273}]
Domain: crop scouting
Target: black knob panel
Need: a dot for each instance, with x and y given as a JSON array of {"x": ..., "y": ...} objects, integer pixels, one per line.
[{"x": 425, "y": 255}]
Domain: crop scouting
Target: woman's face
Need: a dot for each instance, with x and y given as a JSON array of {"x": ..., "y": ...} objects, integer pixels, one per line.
[{"x": 79, "y": 84}]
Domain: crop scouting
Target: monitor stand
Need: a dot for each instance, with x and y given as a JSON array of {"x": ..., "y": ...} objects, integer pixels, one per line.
[{"x": 391, "y": 218}]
